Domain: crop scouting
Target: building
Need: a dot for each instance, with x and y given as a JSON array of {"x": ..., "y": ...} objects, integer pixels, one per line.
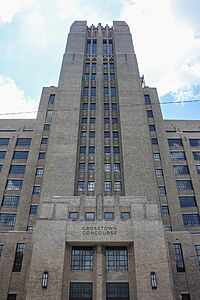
[{"x": 100, "y": 196}]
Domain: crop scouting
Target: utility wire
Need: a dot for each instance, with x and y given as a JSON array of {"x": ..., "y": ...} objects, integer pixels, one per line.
[{"x": 128, "y": 105}]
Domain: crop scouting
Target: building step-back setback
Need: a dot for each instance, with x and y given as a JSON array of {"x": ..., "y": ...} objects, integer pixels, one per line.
[{"x": 99, "y": 196}]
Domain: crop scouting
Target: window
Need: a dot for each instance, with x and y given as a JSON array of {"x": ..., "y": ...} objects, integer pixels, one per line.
[
  {"x": 86, "y": 76},
  {"x": 184, "y": 185},
  {"x": 92, "y": 134},
  {"x": 84, "y": 121},
  {"x": 114, "y": 121},
  {"x": 23, "y": 142},
  {"x": 105, "y": 68},
  {"x": 49, "y": 114},
  {"x": 2, "y": 154},
  {"x": 198, "y": 169},
  {"x": 89, "y": 216},
  {"x": 82, "y": 258},
  {"x": 18, "y": 257},
  {"x": 94, "y": 67},
  {"x": 117, "y": 291},
  {"x": 46, "y": 127},
  {"x": 107, "y": 186},
  {"x": 165, "y": 210},
  {"x": 12, "y": 297},
  {"x": 154, "y": 141},
  {"x": 36, "y": 190},
  {"x": 117, "y": 186},
  {"x": 125, "y": 215},
  {"x": 114, "y": 106},
  {"x": 91, "y": 167},
  {"x": 105, "y": 76},
  {"x": 33, "y": 209},
  {"x": 83, "y": 134},
  {"x": 17, "y": 169},
  {"x": 194, "y": 142},
  {"x": 93, "y": 76},
  {"x": 4, "y": 141},
  {"x": 110, "y": 47},
  {"x": 82, "y": 149},
  {"x": 80, "y": 291},
  {"x": 107, "y": 121},
  {"x": 90, "y": 186},
  {"x": 180, "y": 266},
  {"x": 162, "y": 190},
  {"x": 91, "y": 149},
  {"x": 187, "y": 201},
  {"x": 14, "y": 185},
  {"x": 10, "y": 201},
  {"x": 111, "y": 67},
  {"x": 156, "y": 156},
  {"x": 159, "y": 172},
  {"x": 85, "y": 91},
  {"x": 106, "y": 92},
  {"x": 175, "y": 143},
  {"x": 39, "y": 172},
  {"x": 147, "y": 99},
  {"x": 81, "y": 167},
  {"x": 116, "y": 150},
  {"x": 191, "y": 220},
  {"x": 180, "y": 170},
  {"x": 115, "y": 134},
  {"x": 106, "y": 106},
  {"x": 113, "y": 92},
  {"x": 196, "y": 155},
  {"x": 149, "y": 113},
  {"x": 106, "y": 134},
  {"x": 81, "y": 186},
  {"x": 117, "y": 168},
  {"x": 92, "y": 120},
  {"x": 21, "y": 155},
  {"x": 93, "y": 93},
  {"x": 7, "y": 219},
  {"x": 52, "y": 99},
  {"x": 185, "y": 297},
  {"x": 29, "y": 228},
  {"x": 112, "y": 77},
  {"x": 44, "y": 141},
  {"x": 106, "y": 149},
  {"x": 177, "y": 155},
  {"x": 197, "y": 248},
  {"x": 1, "y": 249},
  {"x": 109, "y": 216},
  {"x": 107, "y": 167},
  {"x": 41, "y": 156},
  {"x": 73, "y": 215},
  {"x": 1, "y": 167},
  {"x": 116, "y": 258},
  {"x": 152, "y": 127},
  {"x": 87, "y": 65}
]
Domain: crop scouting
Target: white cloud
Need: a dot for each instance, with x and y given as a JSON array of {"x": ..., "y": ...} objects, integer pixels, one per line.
[
  {"x": 9, "y": 8},
  {"x": 167, "y": 52},
  {"x": 14, "y": 101}
]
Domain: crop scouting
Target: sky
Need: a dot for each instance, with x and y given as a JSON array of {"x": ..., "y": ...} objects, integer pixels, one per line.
[{"x": 166, "y": 37}]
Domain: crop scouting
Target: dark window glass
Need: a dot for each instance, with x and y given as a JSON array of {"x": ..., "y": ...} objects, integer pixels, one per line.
[
  {"x": 39, "y": 172},
  {"x": 81, "y": 167},
  {"x": 52, "y": 99},
  {"x": 149, "y": 113},
  {"x": 23, "y": 142},
  {"x": 17, "y": 169},
  {"x": 198, "y": 169},
  {"x": 147, "y": 99},
  {"x": 10, "y": 201},
  {"x": 94, "y": 47},
  {"x": 29, "y": 228},
  {"x": 106, "y": 106},
  {"x": 191, "y": 220},
  {"x": 12, "y": 297},
  {"x": 106, "y": 134},
  {"x": 73, "y": 215},
  {"x": 33, "y": 209},
  {"x": 92, "y": 120},
  {"x": 117, "y": 167},
  {"x": 85, "y": 91},
  {"x": 159, "y": 172},
  {"x": 112, "y": 76},
  {"x": 116, "y": 258},
  {"x": 14, "y": 185},
  {"x": 197, "y": 248},
  {"x": 85, "y": 106},
  {"x": 1, "y": 249},
  {"x": 4, "y": 141},
  {"x": 177, "y": 155},
  {"x": 116, "y": 150},
  {"x": 87, "y": 65},
  {"x": 196, "y": 155},
  {"x": 154, "y": 141},
  {"x": 115, "y": 134},
  {"x": 18, "y": 257},
  {"x": 106, "y": 149},
  {"x": 184, "y": 185},
  {"x": 89, "y": 216},
  {"x": 107, "y": 121},
  {"x": 162, "y": 190},
  {"x": 83, "y": 133},
  {"x": 105, "y": 68},
  {"x": 41, "y": 156},
  {"x": 82, "y": 149},
  {"x": 114, "y": 106},
  {"x": 93, "y": 106},
  {"x": 7, "y": 219},
  {"x": 2, "y": 154},
  {"x": 104, "y": 47},
  {"x": 156, "y": 156},
  {"x": 23, "y": 155},
  {"x": 93, "y": 91},
  {"x": 111, "y": 67},
  {"x": 185, "y": 297},
  {"x": 1, "y": 167},
  {"x": 194, "y": 142},
  {"x": 86, "y": 76},
  {"x": 110, "y": 47},
  {"x": 125, "y": 215},
  {"x": 114, "y": 121},
  {"x": 117, "y": 291},
  {"x": 92, "y": 134},
  {"x": 175, "y": 143},
  {"x": 46, "y": 126},
  {"x": 88, "y": 47},
  {"x": 180, "y": 266},
  {"x": 105, "y": 76},
  {"x": 91, "y": 167},
  {"x": 187, "y": 201},
  {"x": 113, "y": 92},
  {"x": 91, "y": 149},
  {"x": 107, "y": 186},
  {"x": 81, "y": 186},
  {"x": 152, "y": 128},
  {"x": 109, "y": 216},
  {"x": 93, "y": 67},
  {"x": 165, "y": 210},
  {"x": 117, "y": 186},
  {"x": 82, "y": 258},
  {"x": 36, "y": 190},
  {"x": 106, "y": 92},
  {"x": 80, "y": 291},
  {"x": 84, "y": 121},
  {"x": 180, "y": 170},
  {"x": 93, "y": 76}
]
